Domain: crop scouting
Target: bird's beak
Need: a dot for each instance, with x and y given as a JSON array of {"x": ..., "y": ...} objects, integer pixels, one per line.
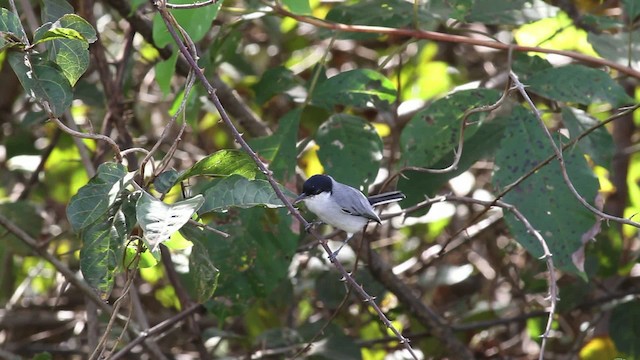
[{"x": 300, "y": 198}]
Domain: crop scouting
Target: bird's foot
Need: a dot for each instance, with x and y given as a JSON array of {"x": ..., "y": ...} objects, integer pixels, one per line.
[{"x": 308, "y": 227}]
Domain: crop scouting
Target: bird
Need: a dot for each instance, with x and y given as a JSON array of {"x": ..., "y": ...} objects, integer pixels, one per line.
[{"x": 342, "y": 206}]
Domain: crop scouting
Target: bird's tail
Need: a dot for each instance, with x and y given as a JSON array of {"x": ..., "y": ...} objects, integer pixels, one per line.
[{"x": 385, "y": 198}]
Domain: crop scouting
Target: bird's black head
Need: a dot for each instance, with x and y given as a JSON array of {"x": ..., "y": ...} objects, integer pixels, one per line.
[{"x": 315, "y": 185}]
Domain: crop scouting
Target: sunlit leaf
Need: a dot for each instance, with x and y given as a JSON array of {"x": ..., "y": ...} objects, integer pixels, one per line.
[
  {"x": 159, "y": 220},
  {"x": 350, "y": 149},
  {"x": 223, "y": 163}
]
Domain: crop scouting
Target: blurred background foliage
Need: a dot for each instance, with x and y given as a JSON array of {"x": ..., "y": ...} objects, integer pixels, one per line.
[{"x": 372, "y": 92}]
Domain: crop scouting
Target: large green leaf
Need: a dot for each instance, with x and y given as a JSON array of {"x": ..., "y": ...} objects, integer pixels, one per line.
[
  {"x": 94, "y": 199},
  {"x": 280, "y": 147},
  {"x": 579, "y": 84},
  {"x": 358, "y": 88},
  {"x": 350, "y": 149},
  {"x": 544, "y": 198},
  {"x": 159, "y": 220},
  {"x": 625, "y": 328},
  {"x": 103, "y": 243},
  {"x": 237, "y": 191},
  {"x": 598, "y": 145},
  {"x": 254, "y": 260},
  {"x": 223, "y": 163},
  {"x": 433, "y": 132},
  {"x": 68, "y": 42},
  {"x": 43, "y": 81}
]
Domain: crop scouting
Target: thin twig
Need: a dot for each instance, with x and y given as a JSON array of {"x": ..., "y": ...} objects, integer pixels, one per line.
[
  {"x": 437, "y": 36},
  {"x": 158, "y": 329},
  {"x": 166, "y": 17}
]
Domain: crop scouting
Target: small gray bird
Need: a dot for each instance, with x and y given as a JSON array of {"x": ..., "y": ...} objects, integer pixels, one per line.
[{"x": 342, "y": 206}]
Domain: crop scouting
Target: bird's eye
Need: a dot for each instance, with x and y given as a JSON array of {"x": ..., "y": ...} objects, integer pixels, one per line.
[{"x": 346, "y": 211}]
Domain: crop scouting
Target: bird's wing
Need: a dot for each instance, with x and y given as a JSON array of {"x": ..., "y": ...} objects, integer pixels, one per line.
[{"x": 354, "y": 202}]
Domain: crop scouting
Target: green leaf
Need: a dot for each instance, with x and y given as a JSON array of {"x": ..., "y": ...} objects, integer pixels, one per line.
[
  {"x": 72, "y": 56},
  {"x": 56, "y": 34},
  {"x": 53, "y": 10},
  {"x": 245, "y": 272},
  {"x": 350, "y": 149},
  {"x": 510, "y": 12},
  {"x": 77, "y": 23},
  {"x": 625, "y": 328},
  {"x": 544, "y": 198},
  {"x": 393, "y": 14},
  {"x": 416, "y": 185},
  {"x": 201, "y": 268},
  {"x": 579, "y": 84},
  {"x": 94, "y": 199},
  {"x": 68, "y": 42},
  {"x": 24, "y": 215},
  {"x": 165, "y": 71},
  {"x": 631, "y": 9},
  {"x": 196, "y": 22},
  {"x": 237, "y": 191},
  {"x": 159, "y": 220},
  {"x": 598, "y": 145},
  {"x": 43, "y": 81},
  {"x": 273, "y": 82},
  {"x": 300, "y": 7},
  {"x": 433, "y": 132},
  {"x": 280, "y": 148},
  {"x": 102, "y": 251},
  {"x": 223, "y": 163},
  {"x": 10, "y": 29},
  {"x": 621, "y": 47},
  {"x": 358, "y": 88},
  {"x": 165, "y": 181}
]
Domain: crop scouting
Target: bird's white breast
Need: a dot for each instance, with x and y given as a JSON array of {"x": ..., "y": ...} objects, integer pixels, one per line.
[{"x": 330, "y": 213}]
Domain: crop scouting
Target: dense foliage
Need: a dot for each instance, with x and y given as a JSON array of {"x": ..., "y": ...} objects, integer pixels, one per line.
[{"x": 149, "y": 153}]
